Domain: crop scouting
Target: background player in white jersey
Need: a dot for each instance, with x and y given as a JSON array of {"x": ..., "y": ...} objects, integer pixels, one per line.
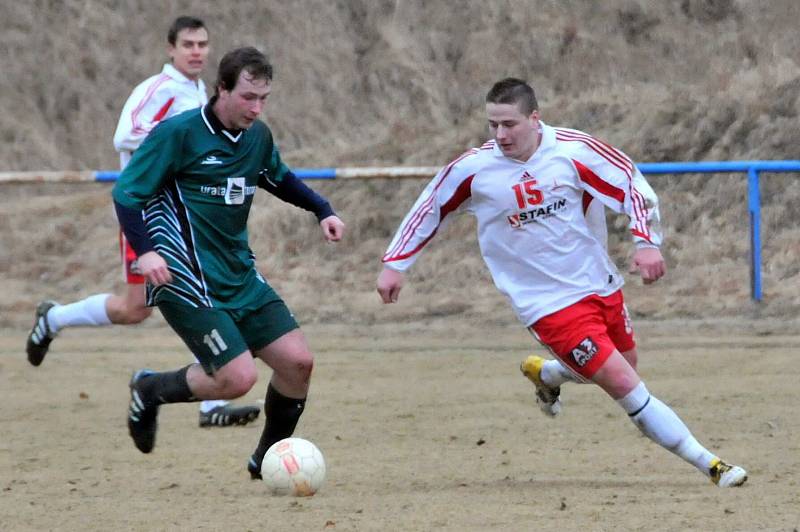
[
  {"x": 176, "y": 89},
  {"x": 529, "y": 188}
]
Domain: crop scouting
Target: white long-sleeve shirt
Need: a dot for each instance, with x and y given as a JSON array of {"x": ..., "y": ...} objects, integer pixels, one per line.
[
  {"x": 153, "y": 100},
  {"x": 532, "y": 229}
]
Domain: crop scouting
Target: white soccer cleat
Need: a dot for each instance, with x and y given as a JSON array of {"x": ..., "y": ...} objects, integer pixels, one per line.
[
  {"x": 546, "y": 396},
  {"x": 726, "y": 475}
]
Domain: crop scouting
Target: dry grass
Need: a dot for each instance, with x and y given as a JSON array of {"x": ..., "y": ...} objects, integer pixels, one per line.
[{"x": 401, "y": 82}]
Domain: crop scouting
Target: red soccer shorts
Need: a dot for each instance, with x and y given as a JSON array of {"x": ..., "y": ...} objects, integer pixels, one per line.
[
  {"x": 130, "y": 266},
  {"x": 584, "y": 334}
]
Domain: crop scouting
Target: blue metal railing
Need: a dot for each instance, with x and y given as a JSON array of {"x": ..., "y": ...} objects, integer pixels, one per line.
[{"x": 751, "y": 168}]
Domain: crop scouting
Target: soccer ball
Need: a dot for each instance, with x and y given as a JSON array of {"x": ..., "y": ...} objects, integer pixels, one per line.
[{"x": 293, "y": 466}]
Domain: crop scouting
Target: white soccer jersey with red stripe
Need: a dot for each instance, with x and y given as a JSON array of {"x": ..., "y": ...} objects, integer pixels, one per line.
[
  {"x": 153, "y": 100},
  {"x": 532, "y": 229}
]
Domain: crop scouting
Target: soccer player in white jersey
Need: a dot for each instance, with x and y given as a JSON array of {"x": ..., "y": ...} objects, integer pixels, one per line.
[
  {"x": 529, "y": 188},
  {"x": 176, "y": 89}
]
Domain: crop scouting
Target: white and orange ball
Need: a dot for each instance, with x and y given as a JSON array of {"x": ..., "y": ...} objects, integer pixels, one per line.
[{"x": 293, "y": 466}]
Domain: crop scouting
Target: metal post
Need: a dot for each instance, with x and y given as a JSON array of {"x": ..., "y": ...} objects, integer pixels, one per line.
[{"x": 754, "y": 206}]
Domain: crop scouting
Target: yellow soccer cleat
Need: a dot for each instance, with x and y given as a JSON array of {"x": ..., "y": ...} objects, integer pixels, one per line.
[
  {"x": 546, "y": 396},
  {"x": 726, "y": 475}
]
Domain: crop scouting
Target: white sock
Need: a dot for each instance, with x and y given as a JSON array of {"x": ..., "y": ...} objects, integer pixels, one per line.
[
  {"x": 210, "y": 404},
  {"x": 554, "y": 373},
  {"x": 89, "y": 312},
  {"x": 658, "y": 422}
]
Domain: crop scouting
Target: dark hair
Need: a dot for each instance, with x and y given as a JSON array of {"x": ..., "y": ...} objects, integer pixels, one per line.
[
  {"x": 183, "y": 23},
  {"x": 248, "y": 59},
  {"x": 516, "y": 91}
]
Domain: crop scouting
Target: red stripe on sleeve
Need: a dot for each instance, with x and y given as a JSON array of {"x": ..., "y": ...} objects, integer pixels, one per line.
[
  {"x": 634, "y": 232},
  {"x": 608, "y": 152},
  {"x": 163, "y": 111},
  {"x": 594, "y": 181},
  {"x": 462, "y": 193},
  {"x": 135, "y": 124},
  {"x": 423, "y": 210}
]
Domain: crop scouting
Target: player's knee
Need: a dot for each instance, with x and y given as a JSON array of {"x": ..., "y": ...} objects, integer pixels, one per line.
[
  {"x": 622, "y": 385},
  {"x": 140, "y": 314},
  {"x": 132, "y": 315},
  {"x": 303, "y": 366},
  {"x": 617, "y": 381},
  {"x": 241, "y": 387},
  {"x": 235, "y": 384},
  {"x": 295, "y": 369},
  {"x": 632, "y": 357}
]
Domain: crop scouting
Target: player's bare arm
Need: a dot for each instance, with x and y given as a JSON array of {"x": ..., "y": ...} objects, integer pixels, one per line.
[{"x": 390, "y": 282}]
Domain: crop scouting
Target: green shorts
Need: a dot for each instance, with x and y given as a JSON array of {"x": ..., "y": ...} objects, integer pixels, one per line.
[{"x": 216, "y": 337}]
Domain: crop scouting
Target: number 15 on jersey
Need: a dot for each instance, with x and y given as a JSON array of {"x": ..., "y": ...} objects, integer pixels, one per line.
[{"x": 527, "y": 195}]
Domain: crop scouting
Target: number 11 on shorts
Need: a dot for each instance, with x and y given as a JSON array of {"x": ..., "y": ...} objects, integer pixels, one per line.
[{"x": 215, "y": 342}]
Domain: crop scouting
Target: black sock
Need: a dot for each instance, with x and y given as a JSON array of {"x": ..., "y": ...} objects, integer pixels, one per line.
[
  {"x": 166, "y": 387},
  {"x": 282, "y": 415}
]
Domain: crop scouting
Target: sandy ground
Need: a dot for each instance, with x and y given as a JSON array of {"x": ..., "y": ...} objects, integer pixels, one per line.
[{"x": 424, "y": 427}]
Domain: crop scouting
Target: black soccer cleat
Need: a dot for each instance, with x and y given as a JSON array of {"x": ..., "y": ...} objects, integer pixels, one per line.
[
  {"x": 142, "y": 418},
  {"x": 227, "y": 415},
  {"x": 254, "y": 469},
  {"x": 41, "y": 335}
]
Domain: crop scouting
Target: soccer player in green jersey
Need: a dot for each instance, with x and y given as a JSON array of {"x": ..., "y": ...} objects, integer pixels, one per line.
[
  {"x": 177, "y": 88},
  {"x": 183, "y": 202}
]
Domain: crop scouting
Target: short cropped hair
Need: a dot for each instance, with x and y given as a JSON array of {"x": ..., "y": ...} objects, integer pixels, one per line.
[
  {"x": 248, "y": 59},
  {"x": 515, "y": 91},
  {"x": 183, "y": 23}
]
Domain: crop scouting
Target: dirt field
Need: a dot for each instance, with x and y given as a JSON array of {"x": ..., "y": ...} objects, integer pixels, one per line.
[{"x": 424, "y": 427}]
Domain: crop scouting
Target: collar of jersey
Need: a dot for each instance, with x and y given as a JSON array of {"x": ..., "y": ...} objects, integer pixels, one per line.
[
  {"x": 214, "y": 124},
  {"x": 548, "y": 138},
  {"x": 174, "y": 73},
  {"x": 546, "y": 141}
]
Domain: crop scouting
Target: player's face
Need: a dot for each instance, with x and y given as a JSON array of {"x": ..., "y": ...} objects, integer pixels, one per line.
[
  {"x": 516, "y": 134},
  {"x": 239, "y": 107},
  {"x": 190, "y": 53}
]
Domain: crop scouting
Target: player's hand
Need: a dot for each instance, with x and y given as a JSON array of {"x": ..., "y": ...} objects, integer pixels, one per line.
[
  {"x": 332, "y": 228},
  {"x": 649, "y": 263},
  {"x": 154, "y": 268},
  {"x": 389, "y": 284}
]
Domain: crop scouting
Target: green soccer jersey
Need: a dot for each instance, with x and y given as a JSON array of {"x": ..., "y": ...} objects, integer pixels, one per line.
[{"x": 195, "y": 182}]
